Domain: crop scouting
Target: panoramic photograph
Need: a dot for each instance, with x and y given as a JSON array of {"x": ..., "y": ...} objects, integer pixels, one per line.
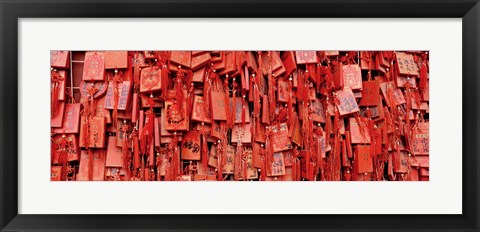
[{"x": 239, "y": 115}]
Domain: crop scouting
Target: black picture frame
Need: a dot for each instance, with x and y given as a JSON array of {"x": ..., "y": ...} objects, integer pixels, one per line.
[{"x": 12, "y": 10}]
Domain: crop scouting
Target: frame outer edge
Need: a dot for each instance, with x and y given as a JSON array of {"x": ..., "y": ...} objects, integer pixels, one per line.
[
  {"x": 3, "y": 220},
  {"x": 1, "y": 117},
  {"x": 470, "y": 133},
  {"x": 8, "y": 122},
  {"x": 477, "y": 39},
  {"x": 251, "y": 8},
  {"x": 8, "y": 115}
]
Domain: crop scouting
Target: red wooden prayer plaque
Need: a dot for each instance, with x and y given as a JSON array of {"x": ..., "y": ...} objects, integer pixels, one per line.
[
  {"x": 280, "y": 139},
  {"x": 182, "y": 58},
  {"x": 370, "y": 93},
  {"x": 201, "y": 112},
  {"x": 70, "y": 146},
  {"x": 98, "y": 88},
  {"x": 218, "y": 105},
  {"x": 116, "y": 59},
  {"x": 114, "y": 153},
  {"x": 400, "y": 162},
  {"x": 176, "y": 116},
  {"x": 124, "y": 94},
  {"x": 60, "y": 59},
  {"x": 151, "y": 79},
  {"x": 406, "y": 65},
  {"x": 283, "y": 90},
  {"x": 191, "y": 148},
  {"x": 363, "y": 161},
  {"x": 400, "y": 81},
  {"x": 413, "y": 175},
  {"x": 213, "y": 156},
  {"x": 98, "y": 173},
  {"x": 238, "y": 110},
  {"x": 242, "y": 134},
  {"x": 398, "y": 97},
  {"x": 277, "y": 165},
  {"x": 121, "y": 134},
  {"x": 229, "y": 157},
  {"x": 71, "y": 119},
  {"x": 346, "y": 102},
  {"x": 62, "y": 84},
  {"x": 57, "y": 119},
  {"x": 352, "y": 76},
  {"x": 421, "y": 139},
  {"x": 96, "y": 131},
  {"x": 251, "y": 171},
  {"x": 199, "y": 75},
  {"x": 200, "y": 60},
  {"x": 288, "y": 157},
  {"x": 356, "y": 135},
  {"x": 229, "y": 60},
  {"x": 288, "y": 59},
  {"x": 56, "y": 173},
  {"x": 306, "y": 57},
  {"x": 318, "y": 113},
  {"x": 94, "y": 66}
]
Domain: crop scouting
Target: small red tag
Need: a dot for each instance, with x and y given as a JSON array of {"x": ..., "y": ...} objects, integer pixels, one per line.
[
  {"x": 114, "y": 153},
  {"x": 277, "y": 165},
  {"x": 182, "y": 58},
  {"x": 306, "y": 57},
  {"x": 421, "y": 139},
  {"x": 218, "y": 105},
  {"x": 176, "y": 118},
  {"x": 406, "y": 65},
  {"x": 96, "y": 132},
  {"x": 356, "y": 135},
  {"x": 201, "y": 113},
  {"x": 363, "y": 161},
  {"x": 241, "y": 134},
  {"x": 191, "y": 148},
  {"x": 56, "y": 173},
  {"x": 59, "y": 59},
  {"x": 116, "y": 59},
  {"x": 370, "y": 93},
  {"x": 200, "y": 60},
  {"x": 57, "y": 119},
  {"x": 151, "y": 79},
  {"x": 346, "y": 102},
  {"x": 94, "y": 66},
  {"x": 352, "y": 76},
  {"x": 280, "y": 139}
]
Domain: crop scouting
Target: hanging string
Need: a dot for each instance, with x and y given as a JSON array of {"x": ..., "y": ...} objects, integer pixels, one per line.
[
  {"x": 115, "y": 81},
  {"x": 56, "y": 80},
  {"x": 204, "y": 157},
  {"x": 263, "y": 171},
  {"x": 125, "y": 149},
  {"x": 233, "y": 113},
  {"x": 230, "y": 120},
  {"x": 146, "y": 135}
]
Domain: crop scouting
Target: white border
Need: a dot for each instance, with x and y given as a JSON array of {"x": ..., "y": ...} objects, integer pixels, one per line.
[{"x": 441, "y": 195}]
